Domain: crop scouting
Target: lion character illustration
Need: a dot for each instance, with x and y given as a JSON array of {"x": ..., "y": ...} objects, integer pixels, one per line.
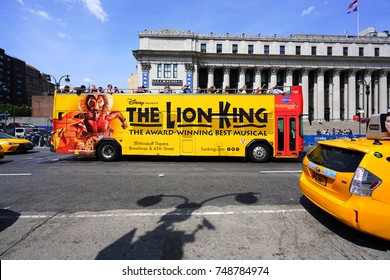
[{"x": 80, "y": 131}]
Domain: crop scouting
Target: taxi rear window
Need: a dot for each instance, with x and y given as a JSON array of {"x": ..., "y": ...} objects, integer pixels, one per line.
[{"x": 338, "y": 159}]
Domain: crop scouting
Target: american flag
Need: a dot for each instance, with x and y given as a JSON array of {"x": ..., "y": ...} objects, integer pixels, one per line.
[{"x": 354, "y": 4}]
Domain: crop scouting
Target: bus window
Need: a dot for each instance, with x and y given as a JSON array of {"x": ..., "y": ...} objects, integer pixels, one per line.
[
  {"x": 280, "y": 134},
  {"x": 293, "y": 129}
]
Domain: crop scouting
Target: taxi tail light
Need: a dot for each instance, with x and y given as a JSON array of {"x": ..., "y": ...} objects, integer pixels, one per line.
[{"x": 364, "y": 182}]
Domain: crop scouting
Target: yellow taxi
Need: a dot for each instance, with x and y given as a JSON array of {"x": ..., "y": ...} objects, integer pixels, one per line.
[
  {"x": 11, "y": 144},
  {"x": 350, "y": 178}
]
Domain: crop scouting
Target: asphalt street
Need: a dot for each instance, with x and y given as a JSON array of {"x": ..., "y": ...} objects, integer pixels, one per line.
[{"x": 59, "y": 207}]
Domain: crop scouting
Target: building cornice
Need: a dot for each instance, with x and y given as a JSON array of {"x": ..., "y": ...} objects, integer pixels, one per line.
[{"x": 315, "y": 38}]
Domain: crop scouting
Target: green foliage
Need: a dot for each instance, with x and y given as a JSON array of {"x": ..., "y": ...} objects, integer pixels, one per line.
[{"x": 17, "y": 110}]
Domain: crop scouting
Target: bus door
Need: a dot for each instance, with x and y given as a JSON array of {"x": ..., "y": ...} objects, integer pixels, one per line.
[{"x": 286, "y": 138}]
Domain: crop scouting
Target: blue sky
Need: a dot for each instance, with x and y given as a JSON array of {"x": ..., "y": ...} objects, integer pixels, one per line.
[{"x": 92, "y": 40}]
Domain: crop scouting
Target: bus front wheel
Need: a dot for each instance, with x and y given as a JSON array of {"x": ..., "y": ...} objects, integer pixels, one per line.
[
  {"x": 108, "y": 151},
  {"x": 259, "y": 153}
]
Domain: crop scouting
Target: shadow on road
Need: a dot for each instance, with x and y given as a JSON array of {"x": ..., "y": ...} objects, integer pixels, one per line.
[
  {"x": 165, "y": 241},
  {"x": 343, "y": 230},
  {"x": 7, "y": 218}
]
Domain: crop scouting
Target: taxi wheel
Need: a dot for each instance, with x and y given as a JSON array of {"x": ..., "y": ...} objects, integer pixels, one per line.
[
  {"x": 259, "y": 153},
  {"x": 108, "y": 151}
]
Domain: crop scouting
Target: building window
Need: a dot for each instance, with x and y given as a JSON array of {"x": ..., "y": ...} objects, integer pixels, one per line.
[
  {"x": 175, "y": 71},
  {"x": 298, "y": 50},
  {"x": 159, "y": 70},
  {"x": 167, "y": 70},
  {"x": 313, "y": 50},
  {"x": 282, "y": 50},
  {"x": 329, "y": 51},
  {"x": 250, "y": 49},
  {"x": 376, "y": 51},
  {"x": 219, "y": 48},
  {"x": 345, "y": 51},
  {"x": 361, "y": 51},
  {"x": 266, "y": 49},
  {"x": 203, "y": 47},
  {"x": 235, "y": 48}
]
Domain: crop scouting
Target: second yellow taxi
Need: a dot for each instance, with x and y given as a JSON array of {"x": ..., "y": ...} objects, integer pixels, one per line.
[{"x": 11, "y": 144}]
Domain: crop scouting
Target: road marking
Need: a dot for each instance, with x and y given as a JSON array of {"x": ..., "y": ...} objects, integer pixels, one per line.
[
  {"x": 16, "y": 174},
  {"x": 172, "y": 212}
]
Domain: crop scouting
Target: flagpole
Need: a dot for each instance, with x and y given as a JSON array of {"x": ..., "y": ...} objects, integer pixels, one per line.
[{"x": 358, "y": 18}]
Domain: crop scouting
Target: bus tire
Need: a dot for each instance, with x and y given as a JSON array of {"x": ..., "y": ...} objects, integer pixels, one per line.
[
  {"x": 259, "y": 152},
  {"x": 108, "y": 151}
]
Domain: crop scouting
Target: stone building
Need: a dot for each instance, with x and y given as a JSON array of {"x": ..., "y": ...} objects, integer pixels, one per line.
[{"x": 339, "y": 74}]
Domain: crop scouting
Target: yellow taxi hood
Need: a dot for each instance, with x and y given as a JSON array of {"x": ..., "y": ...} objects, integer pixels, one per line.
[{"x": 14, "y": 140}]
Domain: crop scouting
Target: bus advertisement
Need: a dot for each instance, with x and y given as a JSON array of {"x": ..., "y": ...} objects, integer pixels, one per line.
[{"x": 257, "y": 127}]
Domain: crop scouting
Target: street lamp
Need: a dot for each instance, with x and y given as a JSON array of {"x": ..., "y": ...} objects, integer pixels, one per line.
[
  {"x": 59, "y": 81},
  {"x": 4, "y": 89},
  {"x": 366, "y": 88}
]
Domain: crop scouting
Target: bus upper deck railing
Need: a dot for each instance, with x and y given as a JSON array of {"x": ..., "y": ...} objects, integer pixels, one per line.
[{"x": 143, "y": 90}]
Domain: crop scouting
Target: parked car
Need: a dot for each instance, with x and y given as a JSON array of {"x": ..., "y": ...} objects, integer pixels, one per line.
[
  {"x": 39, "y": 131},
  {"x": 22, "y": 132},
  {"x": 22, "y": 125},
  {"x": 11, "y": 144},
  {"x": 349, "y": 179}
]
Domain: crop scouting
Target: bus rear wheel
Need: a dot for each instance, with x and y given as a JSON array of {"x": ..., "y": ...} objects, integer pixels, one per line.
[
  {"x": 108, "y": 151},
  {"x": 259, "y": 153}
]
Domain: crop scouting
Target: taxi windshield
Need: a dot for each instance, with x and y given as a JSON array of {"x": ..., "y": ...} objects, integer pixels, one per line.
[
  {"x": 5, "y": 136},
  {"x": 338, "y": 159}
]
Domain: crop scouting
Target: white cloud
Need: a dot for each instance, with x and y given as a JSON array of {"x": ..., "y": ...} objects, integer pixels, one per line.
[
  {"x": 20, "y": 2},
  {"x": 96, "y": 8},
  {"x": 41, "y": 14},
  {"x": 308, "y": 11},
  {"x": 63, "y": 35},
  {"x": 88, "y": 81}
]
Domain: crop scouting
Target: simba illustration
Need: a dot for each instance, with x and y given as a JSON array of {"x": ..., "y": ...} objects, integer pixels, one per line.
[{"x": 78, "y": 132}]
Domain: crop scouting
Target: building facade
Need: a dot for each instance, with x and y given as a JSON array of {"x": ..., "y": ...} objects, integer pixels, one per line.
[
  {"x": 12, "y": 80},
  {"x": 340, "y": 75},
  {"x": 19, "y": 82}
]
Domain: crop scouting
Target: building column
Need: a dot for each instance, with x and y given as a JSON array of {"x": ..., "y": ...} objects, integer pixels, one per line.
[
  {"x": 305, "y": 90},
  {"x": 336, "y": 95},
  {"x": 351, "y": 105},
  {"x": 321, "y": 94},
  {"x": 196, "y": 76},
  {"x": 273, "y": 80},
  {"x": 289, "y": 77},
  {"x": 257, "y": 77},
  {"x": 241, "y": 78},
  {"x": 315, "y": 98},
  {"x": 210, "y": 77},
  {"x": 383, "y": 96},
  {"x": 344, "y": 109},
  {"x": 226, "y": 78}
]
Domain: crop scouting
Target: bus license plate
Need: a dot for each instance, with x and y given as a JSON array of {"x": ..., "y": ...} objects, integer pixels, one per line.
[{"x": 321, "y": 179}]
